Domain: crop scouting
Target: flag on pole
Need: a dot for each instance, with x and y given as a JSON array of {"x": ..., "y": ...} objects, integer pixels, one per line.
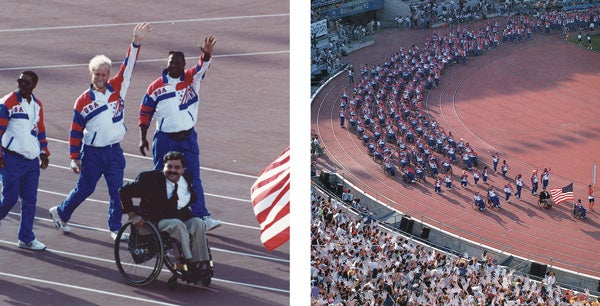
[
  {"x": 270, "y": 196},
  {"x": 562, "y": 194}
]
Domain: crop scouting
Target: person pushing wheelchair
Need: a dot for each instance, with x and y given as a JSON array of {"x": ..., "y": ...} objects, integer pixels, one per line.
[
  {"x": 165, "y": 197},
  {"x": 493, "y": 198}
]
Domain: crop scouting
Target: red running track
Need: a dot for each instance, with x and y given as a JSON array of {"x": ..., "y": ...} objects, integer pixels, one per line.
[{"x": 533, "y": 103}]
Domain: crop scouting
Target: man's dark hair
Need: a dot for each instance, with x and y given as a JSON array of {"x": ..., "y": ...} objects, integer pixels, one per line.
[
  {"x": 177, "y": 53},
  {"x": 174, "y": 155},
  {"x": 33, "y": 75}
]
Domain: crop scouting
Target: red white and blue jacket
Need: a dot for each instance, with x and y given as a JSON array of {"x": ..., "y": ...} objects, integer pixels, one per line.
[
  {"x": 97, "y": 117},
  {"x": 174, "y": 101},
  {"x": 22, "y": 126}
]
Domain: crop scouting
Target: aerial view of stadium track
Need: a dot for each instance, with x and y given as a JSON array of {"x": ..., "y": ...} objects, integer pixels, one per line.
[{"x": 509, "y": 84}]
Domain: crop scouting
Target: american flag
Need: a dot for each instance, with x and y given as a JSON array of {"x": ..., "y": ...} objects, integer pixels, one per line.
[
  {"x": 562, "y": 194},
  {"x": 270, "y": 196}
]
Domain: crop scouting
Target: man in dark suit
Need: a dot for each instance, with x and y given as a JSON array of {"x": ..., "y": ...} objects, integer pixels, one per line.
[{"x": 165, "y": 198}]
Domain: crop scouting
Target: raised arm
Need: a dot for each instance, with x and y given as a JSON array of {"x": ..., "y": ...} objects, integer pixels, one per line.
[
  {"x": 207, "y": 47},
  {"x": 122, "y": 79},
  {"x": 140, "y": 31}
]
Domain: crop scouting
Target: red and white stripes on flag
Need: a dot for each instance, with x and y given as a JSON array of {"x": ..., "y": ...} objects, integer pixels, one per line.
[
  {"x": 562, "y": 194},
  {"x": 270, "y": 196}
]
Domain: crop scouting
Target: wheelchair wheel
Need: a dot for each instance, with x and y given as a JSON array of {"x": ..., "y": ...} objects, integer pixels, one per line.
[
  {"x": 542, "y": 203},
  {"x": 475, "y": 206},
  {"x": 405, "y": 178},
  {"x": 387, "y": 172},
  {"x": 490, "y": 204},
  {"x": 139, "y": 258},
  {"x": 173, "y": 256},
  {"x": 206, "y": 279},
  {"x": 172, "y": 283}
]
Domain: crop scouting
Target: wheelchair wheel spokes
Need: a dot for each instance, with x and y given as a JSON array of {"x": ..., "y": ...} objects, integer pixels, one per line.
[
  {"x": 173, "y": 257},
  {"x": 139, "y": 258}
]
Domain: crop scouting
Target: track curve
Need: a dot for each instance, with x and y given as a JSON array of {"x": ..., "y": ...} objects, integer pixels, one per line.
[{"x": 466, "y": 105}]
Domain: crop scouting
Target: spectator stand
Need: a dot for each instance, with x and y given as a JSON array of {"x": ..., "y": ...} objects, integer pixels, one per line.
[
  {"x": 352, "y": 256},
  {"x": 333, "y": 37},
  {"x": 327, "y": 50},
  {"x": 370, "y": 207}
]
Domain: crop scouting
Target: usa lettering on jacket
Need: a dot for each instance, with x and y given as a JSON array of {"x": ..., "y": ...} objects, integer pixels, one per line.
[
  {"x": 174, "y": 101},
  {"x": 98, "y": 117}
]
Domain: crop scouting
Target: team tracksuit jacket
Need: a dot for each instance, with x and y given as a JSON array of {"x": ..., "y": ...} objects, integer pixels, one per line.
[
  {"x": 22, "y": 140},
  {"x": 98, "y": 118},
  {"x": 174, "y": 101},
  {"x": 26, "y": 134}
]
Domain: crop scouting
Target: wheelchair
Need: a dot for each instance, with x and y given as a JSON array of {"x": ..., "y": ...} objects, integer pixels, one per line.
[
  {"x": 408, "y": 177},
  {"x": 478, "y": 205},
  {"x": 578, "y": 213},
  {"x": 389, "y": 171},
  {"x": 544, "y": 200},
  {"x": 140, "y": 253},
  {"x": 493, "y": 202}
]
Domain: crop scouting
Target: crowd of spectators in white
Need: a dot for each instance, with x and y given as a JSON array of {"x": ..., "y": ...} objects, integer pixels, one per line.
[
  {"x": 354, "y": 261},
  {"x": 426, "y": 14}
]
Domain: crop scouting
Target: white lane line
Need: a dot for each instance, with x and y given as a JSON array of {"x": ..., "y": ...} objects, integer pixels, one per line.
[
  {"x": 134, "y": 23},
  {"x": 52, "y": 283},
  {"x": 164, "y": 270},
  {"x": 65, "y": 195},
  {"x": 106, "y": 202},
  {"x": 269, "y": 258},
  {"x": 191, "y": 58},
  {"x": 150, "y": 158},
  {"x": 206, "y": 194},
  {"x": 105, "y": 230}
]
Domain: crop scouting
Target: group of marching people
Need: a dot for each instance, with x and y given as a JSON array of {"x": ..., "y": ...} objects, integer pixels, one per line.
[{"x": 384, "y": 107}]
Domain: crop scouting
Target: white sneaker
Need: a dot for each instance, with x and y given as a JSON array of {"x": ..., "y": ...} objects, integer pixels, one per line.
[
  {"x": 114, "y": 235},
  {"x": 58, "y": 222},
  {"x": 211, "y": 223},
  {"x": 34, "y": 245}
]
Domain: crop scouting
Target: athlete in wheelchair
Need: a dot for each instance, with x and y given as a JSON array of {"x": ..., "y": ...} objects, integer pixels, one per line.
[
  {"x": 478, "y": 201},
  {"x": 544, "y": 200},
  {"x": 163, "y": 228},
  {"x": 388, "y": 167},
  {"x": 492, "y": 199},
  {"x": 409, "y": 175},
  {"x": 578, "y": 210}
]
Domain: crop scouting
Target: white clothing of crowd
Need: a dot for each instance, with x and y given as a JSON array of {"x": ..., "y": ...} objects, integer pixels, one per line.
[{"x": 356, "y": 262}]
